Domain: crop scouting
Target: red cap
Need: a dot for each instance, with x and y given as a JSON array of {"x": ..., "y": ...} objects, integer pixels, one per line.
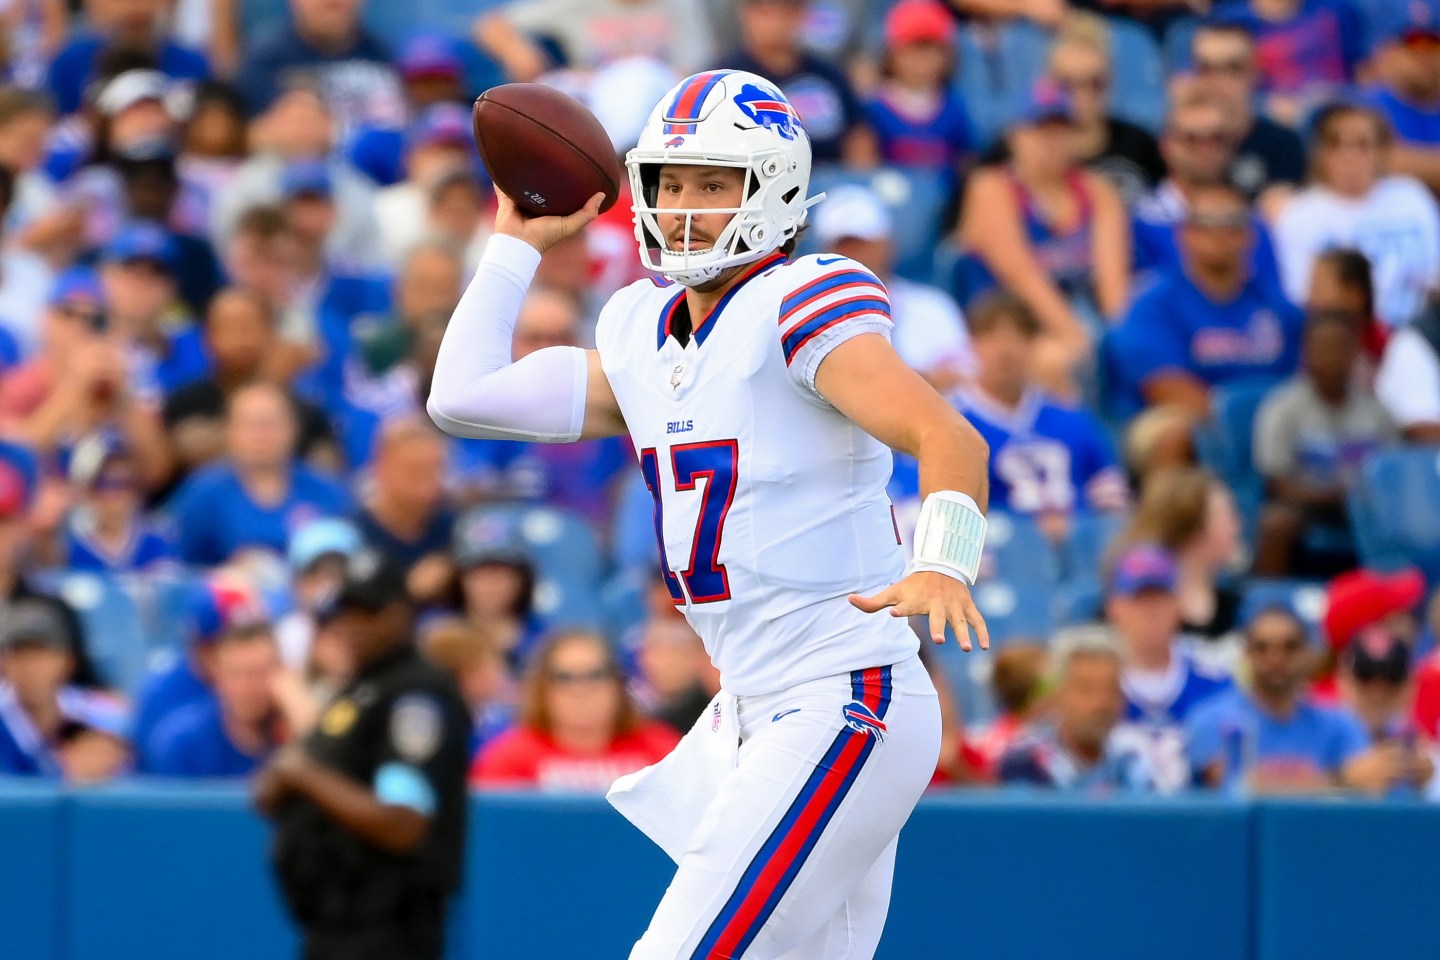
[
  {"x": 915, "y": 21},
  {"x": 1362, "y": 597}
]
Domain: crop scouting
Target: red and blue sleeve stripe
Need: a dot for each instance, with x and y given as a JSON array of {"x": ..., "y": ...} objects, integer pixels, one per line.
[
  {"x": 779, "y": 860},
  {"x": 823, "y": 286},
  {"x": 833, "y": 315}
]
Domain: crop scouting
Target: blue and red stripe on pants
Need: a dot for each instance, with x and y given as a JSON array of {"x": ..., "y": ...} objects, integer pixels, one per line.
[{"x": 784, "y": 852}]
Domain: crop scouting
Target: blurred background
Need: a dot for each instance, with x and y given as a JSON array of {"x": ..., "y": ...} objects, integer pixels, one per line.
[{"x": 1177, "y": 261}]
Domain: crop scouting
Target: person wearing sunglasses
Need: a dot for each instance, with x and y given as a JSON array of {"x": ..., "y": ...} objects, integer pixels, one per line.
[
  {"x": 1270, "y": 738},
  {"x": 579, "y": 729},
  {"x": 107, "y": 531},
  {"x": 1407, "y": 88}
]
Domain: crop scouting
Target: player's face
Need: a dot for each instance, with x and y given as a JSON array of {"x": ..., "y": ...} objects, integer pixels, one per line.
[
  {"x": 686, "y": 187},
  {"x": 243, "y": 674},
  {"x": 1089, "y": 701}
]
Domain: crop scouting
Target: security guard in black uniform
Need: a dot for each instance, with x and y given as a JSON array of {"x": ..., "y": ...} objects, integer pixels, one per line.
[{"x": 370, "y": 807}]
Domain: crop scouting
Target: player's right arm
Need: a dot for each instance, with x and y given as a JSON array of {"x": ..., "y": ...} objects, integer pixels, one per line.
[{"x": 554, "y": 395}]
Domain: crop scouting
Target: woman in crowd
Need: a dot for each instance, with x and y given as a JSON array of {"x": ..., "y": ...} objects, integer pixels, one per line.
[
  {"x": 578, "y": 728},
  {"x": 1353, "y": 202}
]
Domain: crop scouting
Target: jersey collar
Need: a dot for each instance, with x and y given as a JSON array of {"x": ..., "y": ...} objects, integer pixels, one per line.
[{"x": 700, "y": 331}]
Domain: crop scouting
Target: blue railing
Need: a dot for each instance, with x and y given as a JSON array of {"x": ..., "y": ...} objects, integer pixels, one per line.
[{"x": 159, "y": 873}]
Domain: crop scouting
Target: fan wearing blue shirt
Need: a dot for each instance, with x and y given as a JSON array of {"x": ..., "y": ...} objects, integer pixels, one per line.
[
  {"x": 1207, "y": 323},
  {"x": 232, "y": 733},
  {"x": 1269, "y": 739},
  {"x": 1407, "y": 93},
  {"x": 260, "y": 494},
  {"x": 1163, "y": 683},
  {"x": 107, "y": 532},
  {"x": 138, "y": 24}
]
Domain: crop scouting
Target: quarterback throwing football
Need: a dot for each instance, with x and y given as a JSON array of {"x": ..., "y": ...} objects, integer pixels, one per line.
[{"x": 763, "y": 396}]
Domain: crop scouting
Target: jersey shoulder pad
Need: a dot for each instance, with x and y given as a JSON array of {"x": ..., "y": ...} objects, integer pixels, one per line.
[
  {"x": 632, "y": 307},
  {"x": 822, "y": 292}
]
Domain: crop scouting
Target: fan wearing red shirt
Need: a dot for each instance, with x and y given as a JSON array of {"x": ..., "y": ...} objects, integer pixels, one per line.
[{"x": 579, "y": 730}]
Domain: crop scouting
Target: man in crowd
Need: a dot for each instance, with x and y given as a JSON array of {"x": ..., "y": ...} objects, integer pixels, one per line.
[
  {"x": 259, "y": 493},
  {"x": 48, "y": 727},
  {"x": 1208, "y": 322},
  {"x": 232, "y": 733},
  {"x": 1162, "y": 683},
  {"x": 141, "y": 24},
  {"x": 1407, "y": 68},
  {"x": 1081, "y": 748}
]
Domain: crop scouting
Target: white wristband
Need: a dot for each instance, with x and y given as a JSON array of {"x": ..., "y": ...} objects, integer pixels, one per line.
[{"x": 949, "y": 536}]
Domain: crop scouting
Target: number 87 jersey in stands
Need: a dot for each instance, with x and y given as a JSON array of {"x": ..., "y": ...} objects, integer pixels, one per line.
[{"x": 770, "y": 505}]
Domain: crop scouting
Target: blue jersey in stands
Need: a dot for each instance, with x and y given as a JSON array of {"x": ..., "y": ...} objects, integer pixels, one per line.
[
  {"x": 938, "y": 141},
  {"x": 192, "y": 742},
  {"x": 144, "y": 548},
  {"x": 26, "y": 752},
  {"x": 1173, "y": 327},
  {"x": 1157, "y": 706},
  {"x": 216, "y": 516},
  {"x": 1312, "y": 740},
  {"x": 1156, "y": 224},
  {"x": 73, "y": 68},
  {"x": 163, "y": 695},
  {"x": 1414, "y": 123}
]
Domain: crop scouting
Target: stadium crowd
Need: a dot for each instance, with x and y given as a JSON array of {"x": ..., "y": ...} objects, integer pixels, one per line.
[{"x": 1177, "y": 262}]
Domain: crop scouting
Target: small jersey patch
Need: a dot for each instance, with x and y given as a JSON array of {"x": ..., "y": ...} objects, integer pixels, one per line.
[{"x": 416, "y": 727}]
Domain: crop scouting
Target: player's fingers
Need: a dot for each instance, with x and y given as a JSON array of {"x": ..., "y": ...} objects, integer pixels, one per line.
[
  {"x": 937, "y": 622},
  {"x": 977, "y": 620},
  {"x": 955, "y": 616},
  {"x": 875, "y": 602}
]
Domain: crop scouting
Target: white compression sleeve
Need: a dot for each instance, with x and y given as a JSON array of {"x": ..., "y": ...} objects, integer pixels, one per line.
[{"x": 477, "y": 392}]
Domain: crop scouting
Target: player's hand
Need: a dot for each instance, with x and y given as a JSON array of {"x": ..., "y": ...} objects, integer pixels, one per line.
[
  {"x": 542, "y": 233},
  {"x": 926, "y": 593}
]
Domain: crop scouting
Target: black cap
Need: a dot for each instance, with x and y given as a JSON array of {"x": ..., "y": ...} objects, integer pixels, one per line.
[
  {"x": 1377, "y": 654},
  {"x": 371, "y": 581}
]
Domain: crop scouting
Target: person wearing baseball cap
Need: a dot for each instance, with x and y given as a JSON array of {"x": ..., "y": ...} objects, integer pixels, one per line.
[
  {"x": 107, "y": 532},
  {"x": 1163, "y": 683},
  {"x": 929, "y": 332},
  {"x": 48, "y": 726},
  {"x": 370, "y": 807},
  {"x": 1359, "y": 599},
  {"x": 1407, "y": 82},
  {"x": 497, "y": 582}
]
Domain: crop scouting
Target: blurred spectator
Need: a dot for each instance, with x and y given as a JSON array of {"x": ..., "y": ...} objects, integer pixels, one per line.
[
  {"x": 1051, "y": 232},
  {"x": 1163, "y": 683},
  {"x": 1312, "y": 434},
  {"x": 1377, "y": 686},
  {"x": 429, "y": 281},
  {"x": 1156, "y": 440},
  {"x": 216, "y": 604},
  {"x": 455, "y": 208},
  {"x": 497, "y": 584},
  {"x": 1190, "y": 513},
  {"x": 68, "y": 325},
  {"x": 1265, "y": 153},
  {"x": 404, "y": 514},
  {"x": 107, "y": 530},
  {"x": 1341, "y": 283},
  {"x": 531, "y": 37},
  {"x": 467, "y": 653},
  {"x": 772, "y": 45},
  {"x": 1406, "y": 69},
  {"x": 25, "y": 281},
  {"x": 929, "y": 332},
  {"x": 48, "y": 727},
  {"x": 133, "y": 23},
  {"x": 1080, "y": 66},
  {"x": 1270, "y": 739},
  {"x": 1355, "y": 601},
  {"x": 323, "y": 43},
  {"x": 1018, "y": 681},
  {"x": 917, "y": 114},
  {"x": 259, "y": 493},
  {"x": 232, "y": 734},
  {"x": 212, "y": 149},
  {"x": 1306, "y": 49},
  {"x": 581, "y": 477},
  {"x": 1046, "y": 460},
  {"x": 1081, "y": 748},
  {"x": 1210, "y": 321},
  {"x": 242, "y": 343},
  {"x": 1352, "y": 202},
  {"x": 1408, "y": 381},
  {"x": 439, "y": 142},
  {"x": 1199, "y": 149},
  {"x": 578, "y": 729},
  {"x": 677, "y": 681},
  {"x": 263, "y": 259},
  {"x": 300, "y": 127},
  {"x": 27, "y": 118},
  {"x": 316, "y": 554}
]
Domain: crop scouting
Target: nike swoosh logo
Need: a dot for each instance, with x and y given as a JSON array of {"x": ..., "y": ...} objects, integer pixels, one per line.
[
  {"x": 784, "y": 713},
  {"x": 826, "y": 261}
]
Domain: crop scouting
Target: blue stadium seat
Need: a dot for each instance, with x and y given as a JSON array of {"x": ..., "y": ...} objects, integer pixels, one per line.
[
  {"x": 917, "y": 200},
  {"x": 1137, "y": 90},
  {"x": 1175, "y": 50},
  {"x": 999, "y": 62},
  {"x": 632, "y": 536},
  {"x": 115, "y": 636},
  {"x": 1091, "y": 534},
  {"x": 1018, "y": 580},
  {"x": 1226, "y": 444},
  {"x": 1395, "y": 510}
]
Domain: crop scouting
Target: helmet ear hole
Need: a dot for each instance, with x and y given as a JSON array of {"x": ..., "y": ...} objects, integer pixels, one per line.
[{"x": 789, "y": 195}]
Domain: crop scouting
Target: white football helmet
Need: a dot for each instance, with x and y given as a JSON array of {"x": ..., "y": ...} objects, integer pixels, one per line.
[{"x": 723, "y": 118}]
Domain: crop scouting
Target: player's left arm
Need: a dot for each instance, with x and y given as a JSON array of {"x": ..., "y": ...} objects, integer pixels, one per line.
[{"x": 865, "y": 379}]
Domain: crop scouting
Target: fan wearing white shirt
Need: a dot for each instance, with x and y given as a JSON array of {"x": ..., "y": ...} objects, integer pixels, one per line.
[{"x": 1351, "y": 202}]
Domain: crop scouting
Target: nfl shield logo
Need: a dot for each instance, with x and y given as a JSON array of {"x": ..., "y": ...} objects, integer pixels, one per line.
[{"x": 715, "y": 719}]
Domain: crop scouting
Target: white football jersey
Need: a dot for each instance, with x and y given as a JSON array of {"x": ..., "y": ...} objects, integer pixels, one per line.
[{"x": 770, "y": 505}]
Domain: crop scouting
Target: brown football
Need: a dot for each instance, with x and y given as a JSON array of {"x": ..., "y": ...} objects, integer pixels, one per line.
[{"x": 544, "y": 149}]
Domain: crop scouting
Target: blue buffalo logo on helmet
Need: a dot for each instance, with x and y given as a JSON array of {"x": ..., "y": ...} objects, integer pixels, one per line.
[
  {"x": 769, "y": 109},
  {"x": 862, "y": 719}
]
